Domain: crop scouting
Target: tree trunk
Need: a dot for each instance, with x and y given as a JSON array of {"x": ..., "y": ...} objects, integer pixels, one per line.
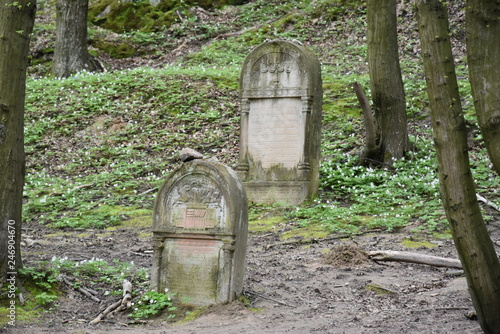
[
  {"x": 472, "y": 241},
  {"x": 71, "y": 53},
  {"x": 483, "y": 54},
  {"x": 16, "y": 24},
  {"x": 386, "y": 83}
]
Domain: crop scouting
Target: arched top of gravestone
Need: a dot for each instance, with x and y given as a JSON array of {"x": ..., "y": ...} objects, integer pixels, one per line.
[
  {"x": 280, "y": 68},
  {"x": 201, "y": 196}
]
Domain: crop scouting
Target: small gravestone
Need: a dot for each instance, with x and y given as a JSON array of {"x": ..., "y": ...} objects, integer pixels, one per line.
[
  {"x": 200, "y": 234},
  {"x": 280, "y": 138}
]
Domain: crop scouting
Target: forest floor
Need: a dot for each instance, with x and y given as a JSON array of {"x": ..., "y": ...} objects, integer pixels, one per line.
[{"x": 326, "y": 286}]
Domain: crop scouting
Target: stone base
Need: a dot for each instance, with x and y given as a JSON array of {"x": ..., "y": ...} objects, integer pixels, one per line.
[{"x": 270, "y": 192}]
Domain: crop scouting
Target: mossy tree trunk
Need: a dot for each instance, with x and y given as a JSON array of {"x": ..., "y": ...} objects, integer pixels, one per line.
[
  {"x": 71, "y": 52},
  {"x": 16, "y": 24},
  {"x": 483, "y": 54},
  {"x": 470, "y": 235},
  {"x": 387, "y": 90}
]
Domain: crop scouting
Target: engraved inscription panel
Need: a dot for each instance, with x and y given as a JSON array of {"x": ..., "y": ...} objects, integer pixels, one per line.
[
  {"x": 276, "y": 132},
  {"x": 196, "y": 216},
  {"x": 276, "y": 70},
  {"x": 193, "y": 269},
  {"x": 196, "y": 203}
]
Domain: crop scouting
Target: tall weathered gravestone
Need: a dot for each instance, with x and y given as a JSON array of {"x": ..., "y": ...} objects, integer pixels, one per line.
[
  {"x": 281, "y": 100},
  {"x": 200, "y": 234}
]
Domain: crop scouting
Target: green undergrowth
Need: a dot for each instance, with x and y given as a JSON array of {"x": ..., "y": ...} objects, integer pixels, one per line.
[
  {"x": 40, "y": 292},
  {"x": 45, "y": 282},
  {"x": 99, "y": 145}
]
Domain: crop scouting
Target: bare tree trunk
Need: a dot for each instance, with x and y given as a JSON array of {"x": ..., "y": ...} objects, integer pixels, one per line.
[
  {"x": 16, "y": 24},
  {"x": 483, "y": 54},
  {"x": 386, "y": 83},
  {"x": 472, "y": 241},
  {"x": 71, "y": 52}
]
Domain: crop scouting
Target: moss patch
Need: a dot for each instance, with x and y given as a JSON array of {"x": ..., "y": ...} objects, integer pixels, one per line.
[
  {"x": 29, "y": 312},
  {"x": 131, "y": 217},
  {"x": 409, "y": 243},
  {"x": 144, "y": 235},
  {"x": 378, "y": 289},
  {"x": 58, "y": 234},
  {"x": 306, "y": 233},
  {"x": 115, "y": 50},
  {"x": 192, "y": 315},
  {"x": 139, "y": 218},
  {"x": 141, "y": 16},
  {"x": 265, "y": 224}
]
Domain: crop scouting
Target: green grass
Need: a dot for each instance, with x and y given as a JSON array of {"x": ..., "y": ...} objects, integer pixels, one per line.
[{"x": 95, "y": 141}]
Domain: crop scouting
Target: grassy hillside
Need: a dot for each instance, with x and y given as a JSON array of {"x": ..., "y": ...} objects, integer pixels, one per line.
[{"x": 99, "y": 145}]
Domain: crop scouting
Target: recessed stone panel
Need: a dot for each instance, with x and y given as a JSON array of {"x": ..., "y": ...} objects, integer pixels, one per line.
[
  {"x": 277, "y": 132},
  {"x": 193, "y": 267}
]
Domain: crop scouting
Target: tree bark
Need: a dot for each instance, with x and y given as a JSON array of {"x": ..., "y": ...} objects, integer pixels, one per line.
[
  {"x": 470, "y": 235},
  {"x": 483, "y": 54},
  {"x": 372, "y": 134},
  {"x": 16, "y": 24},
  {"x": 386, "y": 83},
  {"x": 71, "y": 52}
]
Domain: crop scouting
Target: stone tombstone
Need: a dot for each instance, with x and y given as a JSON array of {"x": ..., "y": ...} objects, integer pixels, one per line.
[
  {"x": 200, "y": 228},
  {"x": 281, "y": 100}
]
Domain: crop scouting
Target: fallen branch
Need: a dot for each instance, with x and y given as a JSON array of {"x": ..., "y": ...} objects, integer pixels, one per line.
[
  {"x": 180, "y": 47},
  {"x": 106, "y": 312},
  {"x": 414, "y": 258},
  {"x": 124, "y": 303},
  {"x": 147, "y": 191},
  {"x": 81, "y": 186},
  {"x": 84, "y": 291},
  {"x": 141, "y": 254},
  {"x": 485, "y": 201}
]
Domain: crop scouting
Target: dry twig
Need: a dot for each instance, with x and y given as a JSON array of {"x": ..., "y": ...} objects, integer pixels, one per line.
[
  {"x": 489, "y": 203},
  {"x": 83, "y": 290}
]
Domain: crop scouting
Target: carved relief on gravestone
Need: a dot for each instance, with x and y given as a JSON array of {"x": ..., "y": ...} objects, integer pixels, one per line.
[
  {"x": 280, "y": 138},
  {"x": 199, "y": 234}
]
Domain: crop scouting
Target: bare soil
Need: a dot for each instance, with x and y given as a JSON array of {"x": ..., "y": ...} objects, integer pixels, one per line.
[{"x": 324, "y": 286}]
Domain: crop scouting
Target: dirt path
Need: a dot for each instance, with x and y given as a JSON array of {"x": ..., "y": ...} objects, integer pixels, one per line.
[{"x": 292, "y": 289}]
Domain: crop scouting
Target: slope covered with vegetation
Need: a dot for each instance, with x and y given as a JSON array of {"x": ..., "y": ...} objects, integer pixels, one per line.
[{"x": 99, "y": 145}]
